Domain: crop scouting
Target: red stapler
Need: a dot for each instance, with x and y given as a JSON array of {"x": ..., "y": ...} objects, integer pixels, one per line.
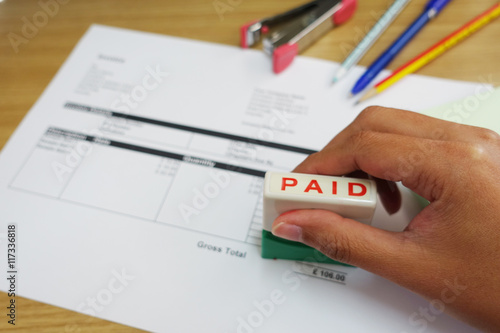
[{"x": 293, "y": 31}]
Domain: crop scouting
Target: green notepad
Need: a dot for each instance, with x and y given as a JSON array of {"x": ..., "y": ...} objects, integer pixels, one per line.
[{"x": 481, "y": 109}]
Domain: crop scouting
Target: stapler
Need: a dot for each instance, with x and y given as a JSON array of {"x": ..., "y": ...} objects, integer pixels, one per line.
[{"x": 293, "y": 31}]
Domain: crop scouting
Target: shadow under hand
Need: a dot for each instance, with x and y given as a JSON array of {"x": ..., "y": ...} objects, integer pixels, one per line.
[{"x": 387, "y": 190}]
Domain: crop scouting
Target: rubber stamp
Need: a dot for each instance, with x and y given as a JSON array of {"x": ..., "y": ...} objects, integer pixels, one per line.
[{"x": 349, "y": 197}]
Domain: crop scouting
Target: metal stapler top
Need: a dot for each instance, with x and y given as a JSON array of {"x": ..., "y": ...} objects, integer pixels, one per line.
[{"x": 293, "y": 31}]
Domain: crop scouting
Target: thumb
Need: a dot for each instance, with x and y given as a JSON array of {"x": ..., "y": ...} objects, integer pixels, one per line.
[{"x": 349, "y": 241}]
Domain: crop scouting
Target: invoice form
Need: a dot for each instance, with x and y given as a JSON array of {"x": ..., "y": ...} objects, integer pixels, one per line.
[{"x": 135, "y": 187}]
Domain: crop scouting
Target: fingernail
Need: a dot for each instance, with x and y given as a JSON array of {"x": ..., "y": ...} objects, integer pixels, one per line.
[{"x": 288, "y": 231}]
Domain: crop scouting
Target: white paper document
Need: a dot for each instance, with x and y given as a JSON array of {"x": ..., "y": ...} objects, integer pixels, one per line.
[{"x": 134, "y": 186}]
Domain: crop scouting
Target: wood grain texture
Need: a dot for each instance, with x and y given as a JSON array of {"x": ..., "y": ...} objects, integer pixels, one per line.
[{"x": 27, "y": 70}]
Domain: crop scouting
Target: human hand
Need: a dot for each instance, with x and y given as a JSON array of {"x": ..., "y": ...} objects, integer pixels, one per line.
[{"x": 451, "y": 250}]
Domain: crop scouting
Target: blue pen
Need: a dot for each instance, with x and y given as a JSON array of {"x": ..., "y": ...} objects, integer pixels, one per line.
[{"x": 431, "y": 10}]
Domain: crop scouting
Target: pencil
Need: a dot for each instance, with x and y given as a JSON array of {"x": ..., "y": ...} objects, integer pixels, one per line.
[
  {"x": 370, "y": 38},
  {"x": 431, "y": 10},
  {"x": 435, "y": 51}
]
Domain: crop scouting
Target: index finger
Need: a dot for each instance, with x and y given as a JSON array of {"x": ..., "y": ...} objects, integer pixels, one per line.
[{"x": 420, "y": 164}]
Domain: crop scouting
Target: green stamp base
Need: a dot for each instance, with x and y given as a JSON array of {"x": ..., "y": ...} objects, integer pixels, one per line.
[{"x": 278, "y": 248}]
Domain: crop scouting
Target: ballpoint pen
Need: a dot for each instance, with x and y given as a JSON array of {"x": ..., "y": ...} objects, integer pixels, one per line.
[
  {"x": 435, "y": 51},
  {"x": 431, "y": 10},
  {"x": 370, "y": 38}
]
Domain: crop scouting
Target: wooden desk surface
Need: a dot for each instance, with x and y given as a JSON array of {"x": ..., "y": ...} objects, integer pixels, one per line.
[{"x": 25, "y": 74}]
